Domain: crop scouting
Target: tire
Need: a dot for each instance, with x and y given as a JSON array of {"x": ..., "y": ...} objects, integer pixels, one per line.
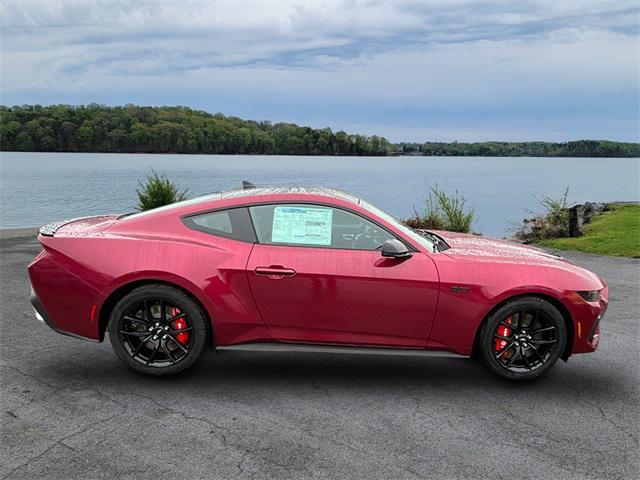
[
  {"x": 523, "y": 339},
  {"x": 158, "y": 330}
]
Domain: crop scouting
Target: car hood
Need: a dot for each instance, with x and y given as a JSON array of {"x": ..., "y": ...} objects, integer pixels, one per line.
[
  {"x": 486, "y": 250},
  {"x": 478, "y": 246}
]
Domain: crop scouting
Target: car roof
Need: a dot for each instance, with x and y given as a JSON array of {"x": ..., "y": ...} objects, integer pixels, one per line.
[
  {"x": 289, "y": 190},
  {"x": 253, "y": 192}
]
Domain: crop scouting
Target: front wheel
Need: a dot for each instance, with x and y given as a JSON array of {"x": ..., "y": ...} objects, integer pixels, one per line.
[
  {"x": 157, "y": 330},
  {"x": 523, "y": 338}
]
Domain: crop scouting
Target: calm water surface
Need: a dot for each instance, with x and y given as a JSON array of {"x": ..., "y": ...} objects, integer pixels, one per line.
[{"x": 38, "y": 188}]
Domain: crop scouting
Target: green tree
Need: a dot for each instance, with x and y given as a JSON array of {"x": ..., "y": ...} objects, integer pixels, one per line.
[
  {"x": 131, "y": 128},
  {"x": 158, "y": 191}
]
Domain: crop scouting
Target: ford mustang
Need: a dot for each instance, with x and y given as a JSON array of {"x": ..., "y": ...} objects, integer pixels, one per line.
[{"x": 302, "y": 269}]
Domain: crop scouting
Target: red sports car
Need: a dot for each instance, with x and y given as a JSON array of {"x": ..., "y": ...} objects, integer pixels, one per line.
[{"x": 303, "y": 269}]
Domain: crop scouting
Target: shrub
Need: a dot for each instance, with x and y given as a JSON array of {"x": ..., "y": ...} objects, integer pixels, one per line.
[
  {"x": 431, "y": 220},
  {"x": 452, "y": 206},
  {"x": 556, "y": 214},
  {"x": 443, "y": 212},
  {"x": 158, "y": 191},
  {"x": 552, "y": 223}
]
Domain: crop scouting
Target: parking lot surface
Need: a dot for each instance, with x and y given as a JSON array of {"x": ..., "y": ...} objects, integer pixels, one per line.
[{"x": 71, "y": 410}]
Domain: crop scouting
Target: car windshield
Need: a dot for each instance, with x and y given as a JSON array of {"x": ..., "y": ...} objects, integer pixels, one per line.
[{"x": 422, "y": 240}]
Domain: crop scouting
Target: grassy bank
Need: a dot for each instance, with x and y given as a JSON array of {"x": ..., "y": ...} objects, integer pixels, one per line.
[{"x": 616, "y": 232}]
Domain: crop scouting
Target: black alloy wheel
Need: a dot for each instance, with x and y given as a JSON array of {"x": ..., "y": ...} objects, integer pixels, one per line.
[
  {"x": 157, "y": 329},
  {"x": 523, "y": 338}
]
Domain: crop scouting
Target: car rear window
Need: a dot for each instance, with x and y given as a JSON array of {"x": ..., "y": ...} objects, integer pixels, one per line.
[{"x": 234, "y": 223}]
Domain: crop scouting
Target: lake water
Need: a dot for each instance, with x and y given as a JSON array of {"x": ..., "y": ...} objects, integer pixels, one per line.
[{"x": 38, "y": 188}]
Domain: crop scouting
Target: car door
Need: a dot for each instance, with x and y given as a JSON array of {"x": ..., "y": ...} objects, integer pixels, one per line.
[{"x": 317, "y": 276}]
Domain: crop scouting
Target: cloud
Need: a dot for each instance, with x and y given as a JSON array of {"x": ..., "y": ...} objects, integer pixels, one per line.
[{"x": 400, "y": 64}]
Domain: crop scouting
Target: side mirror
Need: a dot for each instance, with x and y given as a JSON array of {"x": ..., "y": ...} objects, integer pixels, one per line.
[{"x": 395, "y": 249}]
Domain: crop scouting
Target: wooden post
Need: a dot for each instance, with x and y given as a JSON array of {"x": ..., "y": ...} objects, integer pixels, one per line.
[{"x": 574, "y": 222}]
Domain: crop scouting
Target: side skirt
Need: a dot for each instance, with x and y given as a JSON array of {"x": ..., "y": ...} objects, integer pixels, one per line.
[{"x": 310, "y": 348}]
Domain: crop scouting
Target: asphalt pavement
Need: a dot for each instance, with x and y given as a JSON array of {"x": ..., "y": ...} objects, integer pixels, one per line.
[{"x": 70, "y": 410}]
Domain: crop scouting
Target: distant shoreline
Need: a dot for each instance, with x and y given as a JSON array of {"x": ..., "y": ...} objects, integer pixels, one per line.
[
  {"x": 177, "y": 154},
  {"x": 131, "y": 129}
]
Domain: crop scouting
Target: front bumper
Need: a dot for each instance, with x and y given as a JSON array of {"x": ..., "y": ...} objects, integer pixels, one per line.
[{"x": 587, "y": 316}]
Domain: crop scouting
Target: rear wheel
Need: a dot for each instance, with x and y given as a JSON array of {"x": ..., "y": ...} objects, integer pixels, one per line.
[
  {"x": 158, "y": 330},
  {"x": 523, "y": 338}
]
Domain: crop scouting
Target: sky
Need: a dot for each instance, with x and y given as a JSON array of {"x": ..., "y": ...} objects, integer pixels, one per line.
[{"x": 408, "y": 70}]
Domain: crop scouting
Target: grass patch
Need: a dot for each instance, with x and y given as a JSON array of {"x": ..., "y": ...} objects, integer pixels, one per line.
[{"x": 616, "y": 232}]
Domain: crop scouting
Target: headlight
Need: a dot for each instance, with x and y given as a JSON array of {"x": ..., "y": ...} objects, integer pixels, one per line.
[{"x": 590, "y": 295}]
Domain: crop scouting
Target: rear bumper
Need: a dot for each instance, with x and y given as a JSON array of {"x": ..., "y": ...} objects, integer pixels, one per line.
[
  {"x": 61, "y": 300},
  {"x": 40, "y": 311},
  {"x": 43, "y": 317}
]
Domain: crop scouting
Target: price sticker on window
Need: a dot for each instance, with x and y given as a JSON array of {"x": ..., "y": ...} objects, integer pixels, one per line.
[{"x": 302, "y": 225}]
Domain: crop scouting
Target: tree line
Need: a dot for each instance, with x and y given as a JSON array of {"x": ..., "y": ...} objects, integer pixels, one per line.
[
  {"x": 578, "y": 148},
  {"x": 136, "y": 129}
]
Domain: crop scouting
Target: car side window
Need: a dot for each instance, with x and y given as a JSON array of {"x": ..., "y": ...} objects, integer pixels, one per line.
[
  {"x": 316, "y": 226},
  {"x": 233, "y": 223}
]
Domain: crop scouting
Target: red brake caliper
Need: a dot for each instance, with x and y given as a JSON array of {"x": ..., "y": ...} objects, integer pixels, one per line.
[
  {"x": 179, "y": 324},
  {"x": 504, "y": 332}
]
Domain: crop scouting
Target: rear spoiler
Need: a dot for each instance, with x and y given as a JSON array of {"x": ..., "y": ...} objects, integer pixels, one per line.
[{"x": 50, "y": 229}]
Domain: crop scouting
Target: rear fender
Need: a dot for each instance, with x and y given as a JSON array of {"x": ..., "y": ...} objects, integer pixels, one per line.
[{"x": 123, "y": 285}]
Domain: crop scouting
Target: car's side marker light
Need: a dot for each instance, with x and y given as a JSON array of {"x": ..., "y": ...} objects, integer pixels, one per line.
[
  {"x": 93, "y": 313},
  {"x": 579, "y": 330}
]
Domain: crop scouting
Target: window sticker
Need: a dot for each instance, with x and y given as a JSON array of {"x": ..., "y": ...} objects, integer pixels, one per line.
[{"x": 303, "y": 225}]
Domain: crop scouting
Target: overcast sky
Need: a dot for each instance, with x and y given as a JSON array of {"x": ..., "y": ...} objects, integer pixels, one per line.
[{"x": 408, "y": 70}]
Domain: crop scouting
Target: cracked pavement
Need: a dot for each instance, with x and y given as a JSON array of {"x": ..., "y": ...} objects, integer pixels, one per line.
[{"x": 70, "y": 409}]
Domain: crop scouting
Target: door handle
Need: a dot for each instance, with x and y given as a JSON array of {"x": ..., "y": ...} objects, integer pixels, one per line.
[{"x": 275, "y": 272}]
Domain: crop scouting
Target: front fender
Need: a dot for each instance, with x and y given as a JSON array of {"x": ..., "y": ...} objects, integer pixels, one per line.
[{"x": 461, "y": 311}]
